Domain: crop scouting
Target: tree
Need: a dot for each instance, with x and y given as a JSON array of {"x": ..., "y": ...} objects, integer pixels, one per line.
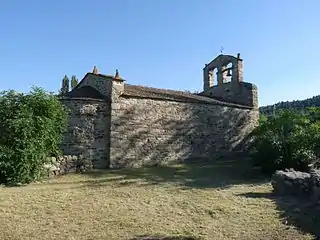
[
  {"x": 290, "y": 139},
  {"x": 65, "y": 85},
  {"x": 31, "y": 126},
  {"x": 74, "y": 82},
  {"x": 297, "y": 105}
]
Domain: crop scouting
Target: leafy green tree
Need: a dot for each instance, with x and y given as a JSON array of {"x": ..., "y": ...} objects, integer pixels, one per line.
[
  {"x": 288, "y": 140},
  {"x": 65, "y": 85},
  {"x": 74, "y": 82},
  {"x": 32, "y": 127}
]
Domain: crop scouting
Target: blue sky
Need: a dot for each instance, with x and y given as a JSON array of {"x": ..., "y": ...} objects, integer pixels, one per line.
[{"x": 162, "y": 43}]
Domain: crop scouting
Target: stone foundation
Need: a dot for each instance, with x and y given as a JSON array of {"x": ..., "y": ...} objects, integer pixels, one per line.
[{"x": 67, "y": 164}]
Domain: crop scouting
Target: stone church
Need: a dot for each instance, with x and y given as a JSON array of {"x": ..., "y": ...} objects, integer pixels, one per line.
[{"x": 114, "y": 124}]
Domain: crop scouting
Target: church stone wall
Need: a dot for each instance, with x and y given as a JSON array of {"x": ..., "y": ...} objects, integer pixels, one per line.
[
  {"x": 88, "y": 133},
  {"x": 127, "y": 130},
  {"x": 241, "y": 93},
  {"x": 156, "y": 132},
  {"x": 98, "y": 82}
]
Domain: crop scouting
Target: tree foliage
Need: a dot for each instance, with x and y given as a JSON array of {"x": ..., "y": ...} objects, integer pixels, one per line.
[
  {"x": 74, "y": 82},
  {"x": 31, "y": 128},
  {"x": 297, "y": 105},
  {"x": 65, "y": 85},
  {"x": 290, "y": 139}
]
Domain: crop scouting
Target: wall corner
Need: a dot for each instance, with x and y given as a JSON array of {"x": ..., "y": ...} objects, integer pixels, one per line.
[{"x": 117, "y": 90}]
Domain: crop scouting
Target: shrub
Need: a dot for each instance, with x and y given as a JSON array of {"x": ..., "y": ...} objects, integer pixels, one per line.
[
  {"x": 31, "y": 128},
  {"x": 288, "y": 140}
]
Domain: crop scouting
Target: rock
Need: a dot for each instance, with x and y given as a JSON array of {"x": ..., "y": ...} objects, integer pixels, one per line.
[
  {"x": 51, "y": 167},
  {"x": 66, "y": 164},
  {"x": 297, "y": 183},
  {"x": 291, "y": 182}
]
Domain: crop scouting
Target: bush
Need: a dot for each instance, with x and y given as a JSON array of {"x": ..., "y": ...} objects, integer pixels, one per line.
[
  {"x": 288, "y": 140},
  {"x": 31, "y": 128}
]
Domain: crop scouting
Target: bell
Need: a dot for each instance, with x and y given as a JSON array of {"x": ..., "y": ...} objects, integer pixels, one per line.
[{"x": 229, "y": 73}]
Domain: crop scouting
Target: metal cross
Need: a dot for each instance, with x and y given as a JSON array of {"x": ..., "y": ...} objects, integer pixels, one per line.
[{"x": 221, "y": 49}]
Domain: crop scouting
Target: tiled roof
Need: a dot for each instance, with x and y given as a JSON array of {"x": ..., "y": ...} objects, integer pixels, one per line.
[
  {"x": 165, "y": 94},
  {"x": 147, "y": 92},
  {"x": 85, "y": 92}
]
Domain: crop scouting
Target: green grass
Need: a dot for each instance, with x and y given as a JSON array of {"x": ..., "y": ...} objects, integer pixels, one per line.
[{"x": 220, "y": 201}]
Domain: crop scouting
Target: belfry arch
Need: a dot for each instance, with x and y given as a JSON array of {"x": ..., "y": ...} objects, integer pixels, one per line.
[{"x": 227, "y": 66}]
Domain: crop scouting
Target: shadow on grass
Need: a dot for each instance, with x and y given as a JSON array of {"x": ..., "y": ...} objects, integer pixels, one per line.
[
  {"x": 221, "y": 174},
  {"x": 299, "y": 212},
  {"x": 164, "y": 238}
]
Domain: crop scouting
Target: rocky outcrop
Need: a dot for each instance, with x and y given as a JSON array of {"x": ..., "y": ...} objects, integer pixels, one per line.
[{"x": 297, "y": 183}]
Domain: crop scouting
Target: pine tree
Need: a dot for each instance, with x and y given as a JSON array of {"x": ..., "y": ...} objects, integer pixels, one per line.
[
  {"x": 74, "y": 82},
  {"x": 65, "y": 85}
]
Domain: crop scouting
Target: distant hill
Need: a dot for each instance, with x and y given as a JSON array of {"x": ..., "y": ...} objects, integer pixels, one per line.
[{"x": 295, "y": 105}]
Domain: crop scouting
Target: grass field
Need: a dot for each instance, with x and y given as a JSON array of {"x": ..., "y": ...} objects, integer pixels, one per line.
[{"x": 220, "y": 201}]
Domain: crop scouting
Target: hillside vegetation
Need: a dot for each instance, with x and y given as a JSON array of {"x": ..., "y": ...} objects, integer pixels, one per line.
[{"x": 299, "y": 105}]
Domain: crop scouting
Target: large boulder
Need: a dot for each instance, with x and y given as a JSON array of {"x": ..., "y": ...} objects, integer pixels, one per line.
[{"x": 297, "y": 183}]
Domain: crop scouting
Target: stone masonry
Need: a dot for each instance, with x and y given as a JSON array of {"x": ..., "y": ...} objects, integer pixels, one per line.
[
  {"x": 148, "y": 132},
  {"x": 66, "y": 164},
  {"x": 114, "y": 124},
  {"x": 87, "y": 130}
]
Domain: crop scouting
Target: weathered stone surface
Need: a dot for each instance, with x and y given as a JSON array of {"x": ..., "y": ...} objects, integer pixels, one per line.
[
  {"x": 153, "y": 132},
  {"x": 99, "y": 82},
  {"x": 87, "y": 132},
  {"x": 67, "y": 164},
  {"x": 241, "y": 93},
  {"x": 297, "y": 183}
]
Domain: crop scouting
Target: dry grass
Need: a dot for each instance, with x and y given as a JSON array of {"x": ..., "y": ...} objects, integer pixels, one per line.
[{"x": 206, "y": 202}]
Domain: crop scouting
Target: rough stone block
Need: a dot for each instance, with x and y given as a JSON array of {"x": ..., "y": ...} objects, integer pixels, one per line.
[{"x": 296, "y": 183}]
